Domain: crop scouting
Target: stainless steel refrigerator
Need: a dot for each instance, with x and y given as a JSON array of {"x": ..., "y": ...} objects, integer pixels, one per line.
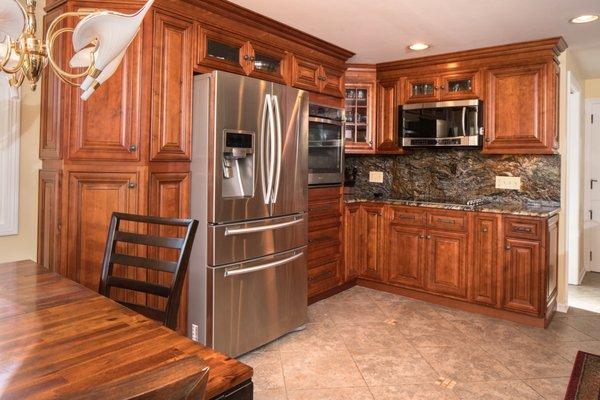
[{"x": 249, "y": 179}]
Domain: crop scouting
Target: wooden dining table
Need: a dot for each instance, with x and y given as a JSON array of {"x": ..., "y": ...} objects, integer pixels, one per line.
[{"x": 61, "y": 340}]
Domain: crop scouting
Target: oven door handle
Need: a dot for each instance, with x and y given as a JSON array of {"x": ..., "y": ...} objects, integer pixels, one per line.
[
  {"x": 242, "y": 271},
  {"x": 325, "y": 121}
]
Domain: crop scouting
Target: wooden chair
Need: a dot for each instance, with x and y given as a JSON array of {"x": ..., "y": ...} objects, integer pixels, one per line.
[{"x": 177, "y": 268}]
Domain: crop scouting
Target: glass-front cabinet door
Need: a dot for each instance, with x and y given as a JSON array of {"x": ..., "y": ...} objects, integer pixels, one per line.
[
  {"x": 359, "y": 128},
  {"x": 422, "y": 89},
  {"x": 264, "y": 63},
  {"x": 458, "y": 86},
  {"x": 221, "y": 51}
]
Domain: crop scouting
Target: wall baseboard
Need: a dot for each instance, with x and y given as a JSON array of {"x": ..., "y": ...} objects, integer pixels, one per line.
[
  {"x": 563, "y": 308},
  {"x": 581, "y": 276}
]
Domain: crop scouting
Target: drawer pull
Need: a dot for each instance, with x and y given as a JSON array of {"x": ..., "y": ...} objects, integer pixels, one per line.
[
  {"x": 484, "y": 230},
  {"x": 407, "y": 217},
  {"x": 446, "y": 221},
  {"x": 522, "y": 229}
]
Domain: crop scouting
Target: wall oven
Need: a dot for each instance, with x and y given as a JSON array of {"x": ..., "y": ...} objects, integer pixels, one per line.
[
  {"x": 325, "y": 145},
  {"x": 444, "y": 123}
]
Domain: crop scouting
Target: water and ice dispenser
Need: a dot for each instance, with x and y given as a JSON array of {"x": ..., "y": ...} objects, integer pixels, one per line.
[{"x": 238, "y": 164}]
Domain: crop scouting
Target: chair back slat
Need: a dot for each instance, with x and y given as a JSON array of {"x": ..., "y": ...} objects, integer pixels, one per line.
[
  {"x": 178, "y": 268},
  {"x": 149, "y": 240},
  {"x": 135, "y": 261}
]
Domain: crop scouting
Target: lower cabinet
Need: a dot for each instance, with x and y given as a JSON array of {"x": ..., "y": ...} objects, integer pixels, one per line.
[
  {"x": 507, "y": 263},
  {"x": 522, "y": 280},
  {"x": 405, "y": 256},
  {"x": 447, "y": 263}
]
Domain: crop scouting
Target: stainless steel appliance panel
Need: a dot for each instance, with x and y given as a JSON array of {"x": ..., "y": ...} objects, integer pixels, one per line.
[
  {"x": 325, "y": 151},
  {"x": 290, "y": 191},
  {"x": 240, "y": 105},
  {"x": 236, "y": 242},
  {"x": 256, "y": 302}
]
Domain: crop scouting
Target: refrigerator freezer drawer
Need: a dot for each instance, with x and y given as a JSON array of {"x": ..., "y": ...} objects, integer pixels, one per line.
[
  {"x": 242, "y": 241},
  {"x": 256, "y": 302}
]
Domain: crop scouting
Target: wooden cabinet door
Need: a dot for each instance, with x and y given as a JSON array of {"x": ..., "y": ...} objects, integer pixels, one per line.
[
  {"x": 92, "y": 198},
  {"x": 405, "y": 256},
  {"x": 518, "y": 117},
  {"x": 222, "y": 50},
  {"x": 460, "y": 85},
  {"x": 265, "y": 62},
  {"x": 422, "y": 89},
  {"x": 388, "y": 139},
  {"x": 360, "y": 124},
  {"x": 331, "y": 82},
  {"x": 521, "y": 276},
  {"x": 49, "y": 223},
  {"x": 447, "y": 263},
  {"x": 374, "y": 231},
  {"x": 305, "y": 74},
  {"x": 353, "y": 241},
  {"x": 484, "y": 282},
  {"x": 110, "y": 125},
  {"x": 171, "y": 122}
]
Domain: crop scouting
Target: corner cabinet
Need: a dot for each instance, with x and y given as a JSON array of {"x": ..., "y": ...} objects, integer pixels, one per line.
[
  {"x": 388, "y": 135},
  {"x": 521, "y": 109}
]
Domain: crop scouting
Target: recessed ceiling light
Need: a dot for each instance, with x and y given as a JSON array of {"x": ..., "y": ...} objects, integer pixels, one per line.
[
  {"x": 582, "y": 19},
  {"x": 418, "y": 46}
]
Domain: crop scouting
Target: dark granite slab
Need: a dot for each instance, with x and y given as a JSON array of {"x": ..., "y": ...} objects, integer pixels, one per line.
[{"x": 544, "y": 210}]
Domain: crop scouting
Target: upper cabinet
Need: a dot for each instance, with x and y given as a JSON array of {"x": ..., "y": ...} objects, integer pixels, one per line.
[
  {"x": 310, "y": 75},
  {"x": 451, "y": 86},
  {"x": 360, "y": 117},
  {"x": 520, "y": 109}
]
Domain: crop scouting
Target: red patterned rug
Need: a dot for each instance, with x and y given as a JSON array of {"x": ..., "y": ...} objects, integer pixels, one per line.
[{"x": 585, "y": 378}]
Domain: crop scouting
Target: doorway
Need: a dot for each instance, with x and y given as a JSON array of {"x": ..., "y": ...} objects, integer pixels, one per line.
[
  {"x": 592, "y": 187},
  {"x": 574, "y": 201}
]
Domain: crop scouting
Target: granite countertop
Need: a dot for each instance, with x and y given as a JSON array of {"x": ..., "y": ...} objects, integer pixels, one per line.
[{"x": 526, "y": 209}]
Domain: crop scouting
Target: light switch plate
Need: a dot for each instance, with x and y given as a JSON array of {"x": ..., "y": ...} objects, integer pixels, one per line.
[
  {"x": 376, "y": 176},
  {"x": 508, "y": 182}
]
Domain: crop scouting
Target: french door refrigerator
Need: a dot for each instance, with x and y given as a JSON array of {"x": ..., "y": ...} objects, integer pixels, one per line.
[{"x": 249, "y": 179}]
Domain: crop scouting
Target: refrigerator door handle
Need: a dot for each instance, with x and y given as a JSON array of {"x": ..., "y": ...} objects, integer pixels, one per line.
[
  {"x": 242, "y": 271},
  {"x": 241, "y": 231},
  {"x": 279, "y": 145},
  {"x": 267, "y": 159}
]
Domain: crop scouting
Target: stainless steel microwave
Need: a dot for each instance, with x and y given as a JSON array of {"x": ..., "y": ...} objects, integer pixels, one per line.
[{"x": 443, "y": 123}]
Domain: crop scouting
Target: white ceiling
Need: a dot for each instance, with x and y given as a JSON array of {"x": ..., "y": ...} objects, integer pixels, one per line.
[{"x": 381, "y": 30}]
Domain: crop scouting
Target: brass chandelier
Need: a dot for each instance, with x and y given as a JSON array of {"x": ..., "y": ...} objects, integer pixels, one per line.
[{"x": 100, "y": 40}]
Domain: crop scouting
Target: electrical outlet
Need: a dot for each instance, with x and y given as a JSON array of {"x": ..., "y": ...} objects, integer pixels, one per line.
[
  {"x": 508, "y": 182},
  {"x": 376, "y": 176},
  {"x": 194, "y": 332}
]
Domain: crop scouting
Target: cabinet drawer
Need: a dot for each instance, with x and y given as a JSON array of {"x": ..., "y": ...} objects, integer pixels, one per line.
[
  {"x": 521, "y": 227},
  {"x": 318, "y": 194},
  {"x": 407, "y": 216},
  {"x": 448, "y": 221},
  {"x": 322, "y": 236},
  {"x": 324, "y": 276},
  {"x": 324, "y": 252}
]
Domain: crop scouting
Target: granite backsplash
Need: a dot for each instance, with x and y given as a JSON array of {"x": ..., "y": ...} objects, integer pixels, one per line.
[{"x": 457, "y": 175}]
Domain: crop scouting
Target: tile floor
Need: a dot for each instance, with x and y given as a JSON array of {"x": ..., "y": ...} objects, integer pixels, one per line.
[{"x": 368, "y": 345}]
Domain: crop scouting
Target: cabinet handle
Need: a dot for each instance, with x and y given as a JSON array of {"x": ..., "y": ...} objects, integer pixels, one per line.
[
  {"x": 442, "y": 87},
  {"x": 487, "y": 139},
  {"x": 371, "y": 143},
  {"x": 446, "y": 221},
  {"x": 132, "y": 148},
  {"x": 484, "y": 230},
  {"x": 132, "y": 185},
  {"x": 522, "y": 229},
  {"x": 428, "y": 237},
  {"x": 437, "y": 87},
  {"x": 247, "y": 57},
  {"x": 421, "y": 236},
  {"x": 507, "y": 247}
]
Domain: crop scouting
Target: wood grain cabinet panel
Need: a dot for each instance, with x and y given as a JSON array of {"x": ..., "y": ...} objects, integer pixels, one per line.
[
  {"x": 49, "y": 222},
  {"x": 388, "y": 138},
  {"x": 485, "y": 263},
  {"x": 331, "y": 81},
  {"x": 92, "y": 198},
  {"x": 374, "y": 228},
  {"x": 552, "y": 279},
  {"x": 521, "y": 276},
  {"x": 108, "y": 126},
  {"x": 518, "y": 117},
  {"x": 405, "y": 256},
  {"x": 305, "y": 73},
  {"x": 353, "y": 241},
  {"x": 171, "y": 89},
  {"x": 447, "y": 263}
]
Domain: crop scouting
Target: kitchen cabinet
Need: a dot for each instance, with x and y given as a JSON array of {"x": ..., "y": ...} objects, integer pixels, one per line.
[
  {"x": 500, "y": 265},
  {"x": 325, "y": 257},
  {"x": 310, "y": 75},
  {"x": 447, "y": 263},
  {"x": 360, "y": 102},
  {"x": 388, "y": 135},
  {"x": 486, "y": 258},
  {"x": 450, "y": 86},
  {"x": 520, "y": 109},
  {"x": 353, "y": 241},
  {"x": 171, "y": 122}
]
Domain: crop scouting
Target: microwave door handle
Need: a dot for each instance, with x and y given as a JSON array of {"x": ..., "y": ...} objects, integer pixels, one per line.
[
  {"x": 279, "y": 145},
  {"x": 464, "y": 121},
  {"x": 264, "y": 129}
]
